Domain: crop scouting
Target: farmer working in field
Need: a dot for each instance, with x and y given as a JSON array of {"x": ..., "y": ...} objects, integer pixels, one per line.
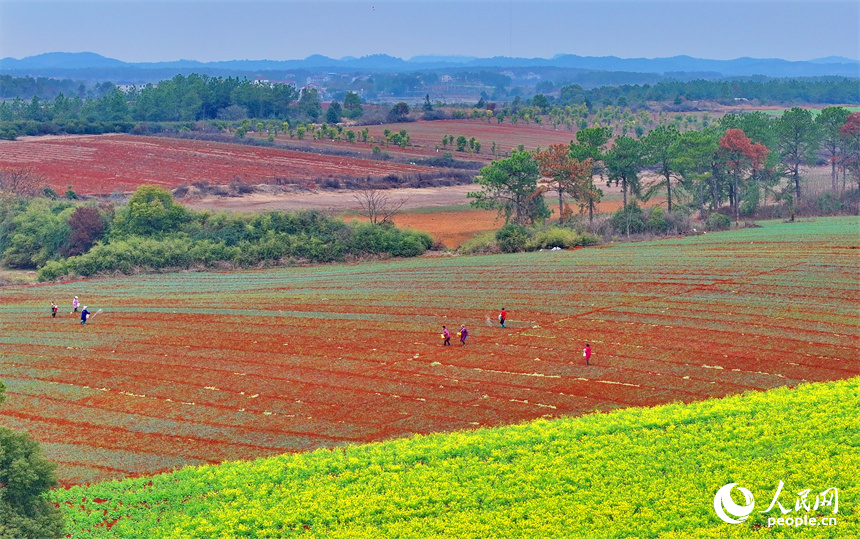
[
  {"x": 463, "y": 333},
  {"x": 503, "y": 316},
  {"x": 587, "y": 353},
  {"x": 54, "y": 310},
  {"x": 84, "y": 315},
  {"x": 75, "y": 305},
  {"x": 447, "y": 336}
]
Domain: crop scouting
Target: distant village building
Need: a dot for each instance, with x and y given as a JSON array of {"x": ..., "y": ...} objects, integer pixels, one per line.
[
  {"x": 446, "y": 78},
  {"x": 272, "y": 83}
]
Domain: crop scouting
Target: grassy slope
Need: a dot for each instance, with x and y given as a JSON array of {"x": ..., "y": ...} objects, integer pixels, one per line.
[{"x": 638, "y": 472}]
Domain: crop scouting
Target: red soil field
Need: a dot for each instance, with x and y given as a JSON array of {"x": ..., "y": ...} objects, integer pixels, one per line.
[
  {"x": 451, "y": 228},
  {"x": 104, "y": 164},
  {"x": 195, "y": 368}
]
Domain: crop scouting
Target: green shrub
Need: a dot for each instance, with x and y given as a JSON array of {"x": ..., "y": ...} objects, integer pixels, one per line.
[
  {"x": 368, "y": 238},
  {"x": 657, "y": 220},
  {"x": 153, "y": 235},
  {"x": 829, "y": 204},
  {"x": 150, "y": 210},
  {"x": 718, "y": 221},
  {"x": 512, "y": 238},
  {"x": 630, "y": 219},
  {"x": 37, "y": 233},
  {"x": 563, "y": 238},
  {"x": 479, "y": 245},
  {"x": 552, "y": 237},
  {"x": 25, "y": 476}
]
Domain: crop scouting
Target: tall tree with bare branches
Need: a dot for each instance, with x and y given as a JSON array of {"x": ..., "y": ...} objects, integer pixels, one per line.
[
  {"x": 21, "y": 181},
  {"x": 377, "y": 206}
]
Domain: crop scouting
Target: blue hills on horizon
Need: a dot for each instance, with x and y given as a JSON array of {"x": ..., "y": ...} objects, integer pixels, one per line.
[{"x": 72, "y": 63}]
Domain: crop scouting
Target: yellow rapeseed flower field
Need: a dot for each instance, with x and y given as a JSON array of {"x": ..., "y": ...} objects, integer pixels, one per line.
[{"x": 637, "y": 472}]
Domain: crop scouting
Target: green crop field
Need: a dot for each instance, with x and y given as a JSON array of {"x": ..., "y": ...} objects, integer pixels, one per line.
[
  {"x": 200, "y": 368},
  {"x": 309, "y": 363},
  {"x": 638, "y": 472}
]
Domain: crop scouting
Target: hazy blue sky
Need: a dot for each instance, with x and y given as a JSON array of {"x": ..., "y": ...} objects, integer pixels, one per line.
[{"x": 212, "y": 30}]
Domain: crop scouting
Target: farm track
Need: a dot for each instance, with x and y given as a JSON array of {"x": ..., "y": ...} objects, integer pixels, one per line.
[{"x": 197, "y": 368}]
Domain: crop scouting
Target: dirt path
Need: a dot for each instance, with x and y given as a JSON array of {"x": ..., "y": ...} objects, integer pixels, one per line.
[{"x": 334, "y": 201}]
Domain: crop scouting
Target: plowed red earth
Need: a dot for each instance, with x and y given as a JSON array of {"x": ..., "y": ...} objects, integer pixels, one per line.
[
  {"x": 198, "y": 368},
  {"x": 103, "y": 164}
]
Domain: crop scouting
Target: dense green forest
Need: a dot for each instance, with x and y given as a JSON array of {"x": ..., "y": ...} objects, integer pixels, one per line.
[{"x": 64, "y": 107}]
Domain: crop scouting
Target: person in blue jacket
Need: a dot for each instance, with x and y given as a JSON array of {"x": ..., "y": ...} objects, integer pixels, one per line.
[{"x": 84, "y": 314}]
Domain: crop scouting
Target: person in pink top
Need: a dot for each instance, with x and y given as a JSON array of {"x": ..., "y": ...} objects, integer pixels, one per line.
[
  {"x": 586, "y": 353},
  {"x": 447, "y": 335},
  {"x": 75, "y": 305}
]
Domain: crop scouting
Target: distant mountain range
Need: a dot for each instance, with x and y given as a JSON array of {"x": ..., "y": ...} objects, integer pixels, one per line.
[{"x": 88, "y": 65}]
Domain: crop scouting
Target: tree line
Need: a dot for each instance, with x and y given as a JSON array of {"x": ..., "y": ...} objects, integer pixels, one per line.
[
  {"x": 731, "y": 166},
  {"x": 153, "y": 232},
  {"x": 196, "y": 98}
]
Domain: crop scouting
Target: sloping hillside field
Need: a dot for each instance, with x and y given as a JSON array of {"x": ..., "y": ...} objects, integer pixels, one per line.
[
  {"x": 198, "y": 368},
  {"x": 102, "y": 164},
  {"x": 633, "y": 473}
]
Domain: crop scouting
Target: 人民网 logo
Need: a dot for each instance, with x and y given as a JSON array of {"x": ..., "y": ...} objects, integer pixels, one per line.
[
  {"x": 727, "y": 509},
  {"x": 733, "y": 513}
]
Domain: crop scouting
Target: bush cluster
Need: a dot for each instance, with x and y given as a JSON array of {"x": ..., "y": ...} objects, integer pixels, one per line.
[
  {"x": 636, "y": 220},
  {"x": 153, "y": 232},
  {"x": 718, "y": 221},
  {"x": 512, "y": 238}
]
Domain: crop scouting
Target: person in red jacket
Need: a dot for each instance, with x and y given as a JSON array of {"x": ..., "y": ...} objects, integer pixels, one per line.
[
  {"x": 503, "y": 316},
  {"x": 587, "y": 353}
]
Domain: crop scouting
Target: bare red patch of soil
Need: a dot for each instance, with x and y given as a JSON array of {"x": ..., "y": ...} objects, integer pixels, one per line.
[{"x": 103, "y": 164}]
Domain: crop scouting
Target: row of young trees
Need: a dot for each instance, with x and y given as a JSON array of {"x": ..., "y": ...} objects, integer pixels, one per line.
[{"x": 737, "y": 162}]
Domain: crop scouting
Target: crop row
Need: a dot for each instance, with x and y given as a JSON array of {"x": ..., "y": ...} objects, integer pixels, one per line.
[
  {"x": 631, "y": 473},
  {"x": 297, "y": 358}
]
